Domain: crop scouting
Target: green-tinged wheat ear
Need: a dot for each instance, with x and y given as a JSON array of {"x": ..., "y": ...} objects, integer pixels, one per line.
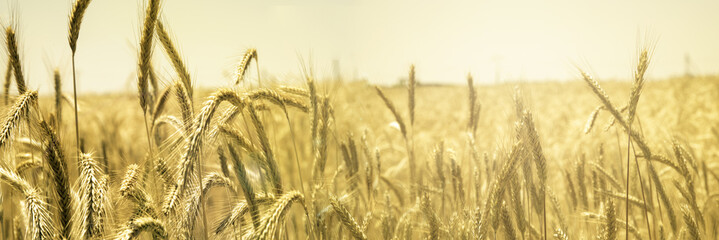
[
  {"x": 174, "y": 56},
  {"x": 20, "y": 111},
  {"x": 247, "y": 189},
  {"x": 153, "y": 9},
  {"x": 223, "y": 162},
  {"x": 8, "y": 80},
  {"x": 14, "y": 58},
  {"x": 244, "y": 64},
  {"x": 53, "y": 154},
  {"x": 94, "y": 207},
  {"x": 78, "y": 11},
  {"x": 39, "y": 223},
  {"x": 133, "y": 228},
  {"x": 275, "y": 215},
  {"x": 194, "y": 203},
  {"x": 191, "y": 154},
  {"x": 431, "y": 216},
  {"x": 270, "y": 161}
]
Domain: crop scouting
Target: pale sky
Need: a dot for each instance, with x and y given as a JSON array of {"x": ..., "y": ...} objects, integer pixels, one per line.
[{"x": 376, "y": 40}]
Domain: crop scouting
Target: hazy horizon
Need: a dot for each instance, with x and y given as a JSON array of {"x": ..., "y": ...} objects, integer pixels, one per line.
[{"x": 373, "y": 40}]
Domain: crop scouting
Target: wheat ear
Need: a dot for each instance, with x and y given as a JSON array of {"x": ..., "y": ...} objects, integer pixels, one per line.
[
  {"x": 185, "y": 105},
  {"x": 19, "y": 111},
  {"x": 153, "y": 8},
  {"x": 39, "y": 221},
  {"x": 247, "y": 189},
  {"x": 431, "y": 216},
  {"x": 14, "y": 55},
  {"x": 174, "y": 56},
  {"x": 8, "y": 80},
  {"x": 347, "y": 220},
  {"x": 94, "y": 204},
  {"x": 57, "y": 84},
  {"x": 276, "y": 213},
  {"x": 55, "y": 158},
  {"x": 270, "y": 161},
  {"x": 244, "y": 64},
  {"x": 192, "y": 150},
  {"x": 78, "y": 11},
  {"x": 192, "y": 207},
  {"x": 136, "y": 226}
]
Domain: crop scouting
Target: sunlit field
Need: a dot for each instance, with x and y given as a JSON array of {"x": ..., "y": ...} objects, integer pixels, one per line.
[{"x": 309, "y": 157}]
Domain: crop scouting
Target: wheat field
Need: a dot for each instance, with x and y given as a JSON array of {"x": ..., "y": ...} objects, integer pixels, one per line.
[{"x": 311, "y": 158}]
